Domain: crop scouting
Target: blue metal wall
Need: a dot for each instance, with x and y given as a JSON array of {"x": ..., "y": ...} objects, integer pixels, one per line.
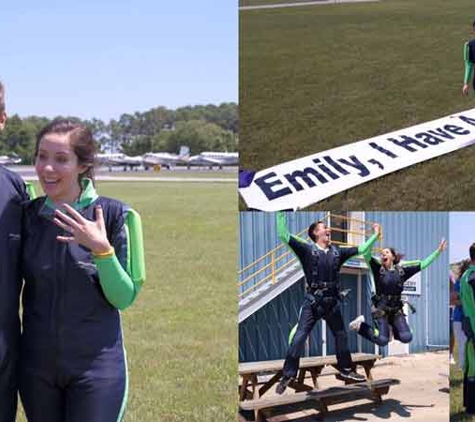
[
  {"x": 417, "y": 235},
  {"x": 258, "y": 235}
]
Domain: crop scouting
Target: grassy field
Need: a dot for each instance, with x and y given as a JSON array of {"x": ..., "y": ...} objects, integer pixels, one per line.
[
  {"x": 181, "y": 334},
  {"x": 313, "y": 78},
  {"x": 457, "y": 413}
]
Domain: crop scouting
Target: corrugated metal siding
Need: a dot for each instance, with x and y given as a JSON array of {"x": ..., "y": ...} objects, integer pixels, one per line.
[
  {"x": 417, "y": 235},
  {"x": 264, "y": 335},
  {"x": 258, "y": 235}
]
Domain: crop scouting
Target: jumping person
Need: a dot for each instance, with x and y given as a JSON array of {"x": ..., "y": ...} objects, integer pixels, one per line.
[
  {"x": 467, "y": 296},
  {"x": 82, "y": 263},
  {"x": 389, "y": 276},
  {"x": 12, "y": 194},
  {"x": 321, "y": 262},
  {"x": 469, "y": 60}
]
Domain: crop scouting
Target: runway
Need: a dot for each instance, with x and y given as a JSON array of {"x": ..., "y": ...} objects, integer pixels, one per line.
[
  {"x": 193, "y": 175},
  {"x": 304, "y": 3}
]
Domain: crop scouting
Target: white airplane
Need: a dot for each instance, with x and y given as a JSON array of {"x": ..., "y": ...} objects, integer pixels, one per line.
[
  {"x": 119, "y": 159},
  {"x": 167, "y": 159},
  {"x": 8, "y": 160},
  {"x": 211, "y": 159}
]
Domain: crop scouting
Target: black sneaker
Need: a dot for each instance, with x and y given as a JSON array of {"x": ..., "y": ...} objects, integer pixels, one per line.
[
  {"x": 283, "y": 384},
  {"x": 350, "y": 375}
]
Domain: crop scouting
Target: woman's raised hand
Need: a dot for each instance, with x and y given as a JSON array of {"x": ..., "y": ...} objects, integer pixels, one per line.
[
  {"x": 442, "y": 245},
  {"x": 91, "y": 234}
]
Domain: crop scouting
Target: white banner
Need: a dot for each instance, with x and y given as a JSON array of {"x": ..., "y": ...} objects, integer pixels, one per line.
[{"x": 302, "y": 182}]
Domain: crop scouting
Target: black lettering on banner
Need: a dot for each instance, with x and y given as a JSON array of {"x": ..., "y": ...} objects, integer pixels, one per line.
[
  {"x": 267, "y": 187},
  {"x": 383, "y": 150},
  {"x": 324, "y": 168},
  {"x": 406, "y": 143},
  {"x": 355, "y": 163},
  {"x": 428, "y": 138},
  {"x": 467, "y": 120},
  {"x": 305, "y": 176},
  {"x": 335, "y": 165},
  {"x": 456, "y": 130},
  {"x": 376, "y": 162}
]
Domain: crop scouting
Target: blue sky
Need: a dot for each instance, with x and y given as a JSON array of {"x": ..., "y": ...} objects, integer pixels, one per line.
[
  {"x": 462, "y": 234},
  {"x": 102, "y": 58}
]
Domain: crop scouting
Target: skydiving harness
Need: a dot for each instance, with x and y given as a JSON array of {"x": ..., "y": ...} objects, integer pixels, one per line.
[
  {"x": 384, "y": 304},
  {"x": 325, "y": 292}
]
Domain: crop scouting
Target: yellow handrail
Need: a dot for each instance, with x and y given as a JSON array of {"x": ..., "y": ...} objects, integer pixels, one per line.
[{"x": 273, "y": 265}]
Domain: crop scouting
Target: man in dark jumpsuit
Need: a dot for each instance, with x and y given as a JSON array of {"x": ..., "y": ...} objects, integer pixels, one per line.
[
  {"x": 321, "y": 262},
  {"x": 12, "y": 194}
]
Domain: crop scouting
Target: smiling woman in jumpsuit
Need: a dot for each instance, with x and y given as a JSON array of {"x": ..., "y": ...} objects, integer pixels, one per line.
[{"x": 82, "y": 263}]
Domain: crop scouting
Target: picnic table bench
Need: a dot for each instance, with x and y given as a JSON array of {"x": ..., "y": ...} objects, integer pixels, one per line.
[{"x": 257, "y": 378}]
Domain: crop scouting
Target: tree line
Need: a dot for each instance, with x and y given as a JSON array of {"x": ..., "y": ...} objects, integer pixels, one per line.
[{"x": 202, "y": 128}]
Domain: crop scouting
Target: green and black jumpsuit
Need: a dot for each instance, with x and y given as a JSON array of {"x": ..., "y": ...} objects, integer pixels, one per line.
[
  {"x": 387, "y": 302},
  {"x": 72, "y": 360},
  {"x": 322, "y": 273},
  {"x": 467, "y": 296}
]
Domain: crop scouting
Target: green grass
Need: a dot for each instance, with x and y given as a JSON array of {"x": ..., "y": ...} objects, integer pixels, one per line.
[
  {"x": 313, "y": 78},
  {"x": 181, "y": 334},
  {"x": 221, "y": 174},
  {"x": 457, "y": 413}
]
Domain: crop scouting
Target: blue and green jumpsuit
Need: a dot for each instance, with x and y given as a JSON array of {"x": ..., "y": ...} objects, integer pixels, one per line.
[
  {"x": 322, "y": 273},
  {"x": 387, "y": 307},
  {"x": 72, "y": 361},
  {"x": 12, "y": 194},
  {"x": 469, "y": 60},
  {"x": 467, "y": 296}
]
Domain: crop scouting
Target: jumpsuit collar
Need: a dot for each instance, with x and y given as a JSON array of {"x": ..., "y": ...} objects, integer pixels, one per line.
[
  {"x": 87, "y": 197},
  {"x": 322, "y": 249}
]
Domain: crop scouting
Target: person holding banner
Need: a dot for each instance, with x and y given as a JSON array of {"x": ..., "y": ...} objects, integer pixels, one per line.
[
  {"x": 389, "y": 275},
  {"x": 321, "y": 262},
  {"x": 469, "y": 60},
  {"x": 12, "y": 194},
  {"x": 83, "y": 261}
]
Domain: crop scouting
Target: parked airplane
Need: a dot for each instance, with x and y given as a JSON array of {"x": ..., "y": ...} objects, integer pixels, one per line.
[
  {"x": 211, "y": 159},
  {"x": 8, "y": 160},
  {"x": 167, "y": 159}
]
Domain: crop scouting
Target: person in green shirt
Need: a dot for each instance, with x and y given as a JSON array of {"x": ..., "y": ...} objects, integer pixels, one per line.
[
  {"x": 469, "y": 60},
  {"x": 467, "y": 296}
]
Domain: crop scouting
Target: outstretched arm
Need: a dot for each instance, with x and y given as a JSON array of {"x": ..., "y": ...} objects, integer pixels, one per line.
[
  {"x": 297, "y": 244},
  {"x": 413, "y": 267},
  {"x": 363, "y": 249}
]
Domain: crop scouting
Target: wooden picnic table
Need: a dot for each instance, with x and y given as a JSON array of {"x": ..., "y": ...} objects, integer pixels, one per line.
[
  {"x": 257, "y": 378},
  {"x": 251, "y": 387}
]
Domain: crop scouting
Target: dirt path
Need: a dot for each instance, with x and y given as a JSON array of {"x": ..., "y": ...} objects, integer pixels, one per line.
[{"x": 421, "y": 396}]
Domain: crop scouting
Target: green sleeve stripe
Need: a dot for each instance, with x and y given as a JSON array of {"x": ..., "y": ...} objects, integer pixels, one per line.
[
  {"x": 366, "y": 247},
  {"x": 423, "y": 263},
  {"x": 121, "y": 286},
  {"x": 31, "y": 190},
  {"x": 282, "y": 230},
  {"x": 116, "y": 283},
  {"x": 136, "y": 253},
  {"x": 468, "y": 64}
]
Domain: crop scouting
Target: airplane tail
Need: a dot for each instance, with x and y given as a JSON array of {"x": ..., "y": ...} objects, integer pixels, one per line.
[{"x": 184, "y": 152}]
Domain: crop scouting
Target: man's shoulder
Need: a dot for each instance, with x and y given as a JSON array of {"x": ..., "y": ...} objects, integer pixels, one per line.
[{"x": 10, "y": 177}]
